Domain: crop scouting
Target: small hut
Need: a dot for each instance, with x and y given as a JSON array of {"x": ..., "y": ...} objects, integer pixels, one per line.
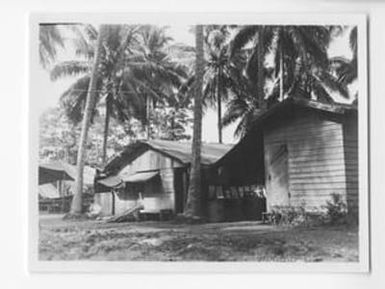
[
  {"x": 302, "y": 152},
  {"x": 153, "y": 174},
  {"x": 56, "y": 184}
]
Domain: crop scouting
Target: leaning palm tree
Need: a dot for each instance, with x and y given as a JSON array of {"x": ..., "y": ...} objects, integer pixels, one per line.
[
  {"x": 112, "y": 90},
  {"x": 136, "y": 71},
  {"x": 193, "y": 203},
  {"x": 76, "y": 207}
]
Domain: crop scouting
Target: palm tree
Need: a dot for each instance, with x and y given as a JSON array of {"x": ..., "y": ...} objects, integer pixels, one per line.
[
  {"x": 242, "y": 108},
  {"x": 193, "y": 202},
  {"x": 76, "y": 207},
  {"x": 119, "y": 99},
  {"x": 301, "y": 65},
  {"x": 136, "y": 72},
  {"x": 163, "y": 76},
  {"x": 217, "y": 77},
  {"x": 260, "y": 37}
]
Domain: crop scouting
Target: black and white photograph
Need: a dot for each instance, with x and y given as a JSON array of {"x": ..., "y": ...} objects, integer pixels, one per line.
[{"x": 196, "y": 140}]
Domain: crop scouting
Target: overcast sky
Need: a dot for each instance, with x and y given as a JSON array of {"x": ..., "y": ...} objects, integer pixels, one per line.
[{"x": 51, "y": 91}]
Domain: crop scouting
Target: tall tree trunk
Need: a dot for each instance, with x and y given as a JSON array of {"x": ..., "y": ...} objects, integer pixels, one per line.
[
  {"x": 281, "y": 70},
  {"x": 261, "y": 67},
  {"x": 219, "y": 104},
  {"x": 148, "y": 116},
  {"x": 76, "y": 206},
  {"x": 193, "y": 203},
  {"x": 106, "y": 130}
]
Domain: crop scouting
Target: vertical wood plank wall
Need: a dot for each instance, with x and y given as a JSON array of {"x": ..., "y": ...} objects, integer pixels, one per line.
[
  {"x": 156, "y": 196},
  {"x": 351, "y": 161},
  {"x": 104, "y": 200},
  {"x": 316, "y": 157}
]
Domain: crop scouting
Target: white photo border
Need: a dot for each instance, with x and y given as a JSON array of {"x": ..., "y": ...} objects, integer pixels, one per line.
[{"x": 359, "y": 20}]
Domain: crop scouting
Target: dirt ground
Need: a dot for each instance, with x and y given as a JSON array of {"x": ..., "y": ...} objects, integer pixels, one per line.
[{"x": 166, "y": 241}]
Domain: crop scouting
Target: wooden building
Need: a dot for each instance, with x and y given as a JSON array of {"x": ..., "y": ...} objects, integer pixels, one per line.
[
  {"x": 301, "y": 151},
  {"x": 56, "y": 186},
  {"x": 153, "y": 174}
]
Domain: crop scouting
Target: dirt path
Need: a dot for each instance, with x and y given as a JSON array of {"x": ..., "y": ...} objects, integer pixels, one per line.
[{"x": 165, "y": 241}]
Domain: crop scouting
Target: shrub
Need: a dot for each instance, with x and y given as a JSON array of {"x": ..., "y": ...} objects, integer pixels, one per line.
[
  {"x": 336, "y": 210},
  {"x": 333, "y": 213}
]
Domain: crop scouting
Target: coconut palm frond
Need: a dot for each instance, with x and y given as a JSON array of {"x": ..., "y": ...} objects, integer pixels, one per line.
[
  {"x": 84, "y": 40},
  {"x": 50, "y": 39},
  {"x": 69, "y": 68},
  {"x": 236, "y": 108},
  {"x": 353, "y": 40},
  {"x": 73, "y": 99},
  {"x": 346, "y": 70},
  {"x": 243, "y": 37},
  {"x": 322, "y": 94},
  {"x": 333, "y": 83}
]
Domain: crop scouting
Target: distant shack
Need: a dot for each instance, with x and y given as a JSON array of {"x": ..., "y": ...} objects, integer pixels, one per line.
[{"x": 302, "y": 151}]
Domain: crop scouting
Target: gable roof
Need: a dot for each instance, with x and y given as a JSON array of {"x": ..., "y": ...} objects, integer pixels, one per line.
[
  {"x": 293, "y": 102},
  {"x": 53, "y": 171},
  {"x": 59, "y": 170},
  {"x": 179, "y": 151}
]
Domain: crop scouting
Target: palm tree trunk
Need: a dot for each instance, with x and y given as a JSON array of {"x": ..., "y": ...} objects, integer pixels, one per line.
[
  {"x": 219, "y": 104},
  {"x": 261, "y": 64},
  {"x": 76, "y": 206},
  {"x": 280, "y": 73},
  {"x": 106, "y": 130},
  {"x": 148, "y": 116},
  {"x": 193, "y": 203}
]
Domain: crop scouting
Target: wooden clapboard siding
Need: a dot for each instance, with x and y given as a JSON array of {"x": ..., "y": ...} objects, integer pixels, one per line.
[
  {"x": 150, "y": 160},
  {"x": 122, "y": 203},
  {"x": 351, "y": 160},
  {"x": 277, "y": 175},
  {"x": 104, "y": 200},
  {"x": 316, "y": 156},
  {"x": 157, "y": 194}
]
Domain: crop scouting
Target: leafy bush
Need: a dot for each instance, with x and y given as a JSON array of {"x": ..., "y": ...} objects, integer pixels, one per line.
[{"x": 336, "y": 210}]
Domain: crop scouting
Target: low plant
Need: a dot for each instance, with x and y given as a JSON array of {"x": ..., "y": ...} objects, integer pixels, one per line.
[
  {"x": 336, "y": 210},
  {"x": 288, "y": 216},
  {"x": 296, "y": 216}
]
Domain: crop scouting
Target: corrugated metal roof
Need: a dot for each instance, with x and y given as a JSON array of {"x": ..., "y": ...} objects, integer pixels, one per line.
[
  {"x": 111, "y": 181},
  {"x": 180, "y": 151},
  {"x": 52, "y": 172},
  {"x": 88, "y": 173},
  {"x": 140, "y": 177},
  {"x": 59, "y": 170}
]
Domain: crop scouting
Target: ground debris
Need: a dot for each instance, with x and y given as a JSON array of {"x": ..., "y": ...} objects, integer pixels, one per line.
[{"x": 164, "y": 241}]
